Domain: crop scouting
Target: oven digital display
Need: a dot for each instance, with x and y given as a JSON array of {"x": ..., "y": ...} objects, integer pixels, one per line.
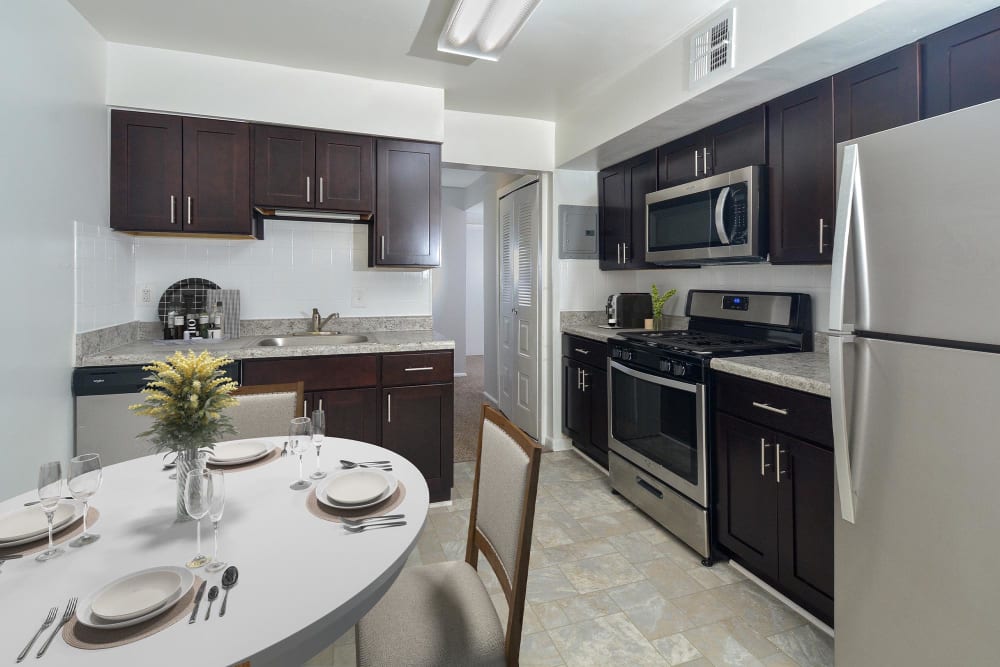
[{"x": 730, "y": 302}]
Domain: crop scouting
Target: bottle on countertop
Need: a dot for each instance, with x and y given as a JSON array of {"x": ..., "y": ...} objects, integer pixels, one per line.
[
  {"x": 215, "y": 325},
  {"x": 203, "y": 323},
  {"x": 168, "y": 322},
  {"x": 179, "y": 323},
  {"x": 190, "y": 320}
]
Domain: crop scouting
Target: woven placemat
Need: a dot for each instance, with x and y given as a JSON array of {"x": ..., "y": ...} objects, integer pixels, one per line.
[
  {"x": 318, "y": 509},
  {"x": 70, "y": 531},
  {"x": 78, "y": 635},
  {"x": 275, "y": 454}
]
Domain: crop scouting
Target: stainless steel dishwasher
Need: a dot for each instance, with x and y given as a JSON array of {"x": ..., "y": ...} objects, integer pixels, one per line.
[{"x": 104, "y": 424}]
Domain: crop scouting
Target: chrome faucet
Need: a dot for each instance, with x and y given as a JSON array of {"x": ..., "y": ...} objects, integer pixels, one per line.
[{"x": 318, "y": 323}]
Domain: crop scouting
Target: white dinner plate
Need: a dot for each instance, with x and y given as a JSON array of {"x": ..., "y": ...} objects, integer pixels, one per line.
[
  {"x": 236, "y": 452},
  {"x": 28, "y": 524},
  {"x": 323, "y": 496},
  {"x": 86, "y": 616},
  {"x": 357, "y": 486},
  {"x": 135, "y": 595}
]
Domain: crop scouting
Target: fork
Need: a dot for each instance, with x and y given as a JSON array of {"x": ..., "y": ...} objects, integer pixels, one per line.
[
  {"x": 284, "y": 450},
  {"x": 372, "y": 526},
  {"x": 68, "y": 614},
  {"x": 48, "y": 621},
  {"x": 372, "y": 519}
]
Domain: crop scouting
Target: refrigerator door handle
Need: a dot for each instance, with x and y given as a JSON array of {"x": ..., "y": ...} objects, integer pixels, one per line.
[
  {"x": 842, "y": 237},
  {"x": 841, "y": 426}
]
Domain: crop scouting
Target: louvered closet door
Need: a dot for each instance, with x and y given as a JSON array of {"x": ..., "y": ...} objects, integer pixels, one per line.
[{"x": 505, "y": 359}]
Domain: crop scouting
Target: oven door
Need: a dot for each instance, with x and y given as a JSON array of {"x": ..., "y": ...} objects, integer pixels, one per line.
[{"x": 659, "y": 424}]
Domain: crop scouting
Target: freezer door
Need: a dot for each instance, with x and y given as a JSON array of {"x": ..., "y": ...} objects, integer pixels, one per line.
[
  {"x": 916, "y": 577},
  {"x": 927, "y": 228}
]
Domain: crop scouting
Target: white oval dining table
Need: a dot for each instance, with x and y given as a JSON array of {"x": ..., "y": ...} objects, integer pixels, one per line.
[{"x": 303, "y": 581}]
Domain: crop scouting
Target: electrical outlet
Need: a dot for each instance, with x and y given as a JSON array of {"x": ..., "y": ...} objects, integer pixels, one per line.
[
  {"x": 147, "y": 294},
  {"x": 358, "y": 297}
]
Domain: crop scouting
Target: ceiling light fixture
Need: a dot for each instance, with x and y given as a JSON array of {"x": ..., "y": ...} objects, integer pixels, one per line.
[{"x": 484, "y": 28}]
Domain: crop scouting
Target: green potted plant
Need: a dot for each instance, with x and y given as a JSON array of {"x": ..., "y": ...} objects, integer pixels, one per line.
[
  {"x": 659, "y": 300},
  {"x": 186, "y": 396}
]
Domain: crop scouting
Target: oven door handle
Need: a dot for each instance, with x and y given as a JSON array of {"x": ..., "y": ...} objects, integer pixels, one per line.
[{"x": 689, "y": 387}]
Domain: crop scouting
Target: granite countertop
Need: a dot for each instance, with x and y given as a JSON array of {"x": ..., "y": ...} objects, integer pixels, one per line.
[
  {"x": 246, "y": 347},
  {"x": 592, "y": 331},
  {"x": 804, "y": 371}
]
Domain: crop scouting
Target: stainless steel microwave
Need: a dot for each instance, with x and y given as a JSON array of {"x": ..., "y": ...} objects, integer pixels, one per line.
[{"x": 711, "y": 220}]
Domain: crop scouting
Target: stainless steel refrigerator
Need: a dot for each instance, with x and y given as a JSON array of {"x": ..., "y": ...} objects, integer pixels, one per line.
[{"x": 915, "y": 375}]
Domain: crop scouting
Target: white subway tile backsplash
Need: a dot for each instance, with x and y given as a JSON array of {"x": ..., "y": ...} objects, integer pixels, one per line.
[{"x": 104, "y": 274}]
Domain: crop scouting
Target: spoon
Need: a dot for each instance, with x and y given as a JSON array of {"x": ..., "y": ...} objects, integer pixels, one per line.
[
  {"x": 229, "y": 577},
  {"x": 213, "y": 593},
  {"x": 382, "y": 465}
]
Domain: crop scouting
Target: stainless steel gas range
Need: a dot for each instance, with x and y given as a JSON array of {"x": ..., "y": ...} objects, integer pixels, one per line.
[{"x": 659, "y": 408}]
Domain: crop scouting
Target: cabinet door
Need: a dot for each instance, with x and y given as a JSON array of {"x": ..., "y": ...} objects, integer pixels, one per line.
[
  {"x": 747, "y": 494},
  {"x": 216, "y": 177},
  {"x": 145, "y": 171},
  {"x": 284, "y": 166},
  {"x": 877, "y": 95},
  {"x": 345, "y": 172},
  {"x": 417, "y": 423},
  {"x": 407, "y": 230},
  {"x": 801, "y": 166},
  {"x": 738, "y": 142},
  {"x": 681, "y": 160},
  {"x": 612, "y": 217},
  {"x": 576, "y": 408},
  {"x": 806, "y": 516},
  {"x": 350, "y": 413},
  {"x": 960, "y": 64},
  {"x": 640, "y": 180},
  {"x": 595, "y": 386}
]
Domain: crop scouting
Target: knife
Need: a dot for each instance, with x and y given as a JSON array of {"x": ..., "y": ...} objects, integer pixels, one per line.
[{"x": 197, "y": 602}]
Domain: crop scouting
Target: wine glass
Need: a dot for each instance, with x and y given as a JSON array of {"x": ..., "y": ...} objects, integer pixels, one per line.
[
  {"x": 49, "y": 492},
  {"x": 197, "y": 502},
  {"x": 84, "y": 480},
  {"x": 216, "y": 504},
  {"x": 319, "y": 429},
  {"x": 299, "y": 434}
]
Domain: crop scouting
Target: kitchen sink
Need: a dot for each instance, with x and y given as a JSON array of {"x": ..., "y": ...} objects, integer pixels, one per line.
[{"x": 333, "y": 339}]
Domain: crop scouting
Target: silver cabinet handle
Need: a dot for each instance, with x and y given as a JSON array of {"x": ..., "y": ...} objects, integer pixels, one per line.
[
  {"x": 308, "y": 189},
  {"x": 419, "y": 368},
  {"x": 320, "y": 189},
  {"x": 618, "y": 251},
  {"x": 624, "y": 253},
  {"x": 173, "y": 210},
  {"x": 383, "y": 245},
  {"x": 770, "y": 408},
  {"x": 581, "y": 351},
  {"x": 821, "y": 226},
  {"x": 189, "y": 221},
  {"x": 778, "y": 472},
  {"x": 583, "y": 380},
  {"x": 764, "y": 465},
  {"x": 579, "y": 379},
  {"x": 704, "y": 161},
  {"x": 696, "y": 163},
  {"x": 388, "y": 408}
]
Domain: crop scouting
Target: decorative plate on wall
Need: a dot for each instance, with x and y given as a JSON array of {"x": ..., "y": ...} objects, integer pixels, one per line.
[{"x": 193, "y": 289}]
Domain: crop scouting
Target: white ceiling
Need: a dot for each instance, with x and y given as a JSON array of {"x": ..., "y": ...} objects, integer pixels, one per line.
[
  {"x": 459, "y": 178},
  {"x": 569, "y": 49}
]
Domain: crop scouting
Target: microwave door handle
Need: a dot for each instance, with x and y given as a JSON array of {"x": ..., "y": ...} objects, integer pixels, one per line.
[{"x": 720, "y": 211}]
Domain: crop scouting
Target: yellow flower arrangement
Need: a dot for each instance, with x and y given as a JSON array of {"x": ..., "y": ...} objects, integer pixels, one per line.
[{"x": 186, "y": 396}]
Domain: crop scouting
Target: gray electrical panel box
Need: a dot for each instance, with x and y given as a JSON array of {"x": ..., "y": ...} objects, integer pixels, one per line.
[{"x": 577, "y": 232}]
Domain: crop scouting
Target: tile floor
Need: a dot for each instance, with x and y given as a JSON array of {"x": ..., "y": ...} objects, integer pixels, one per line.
[{"x": 607, "y": 586}]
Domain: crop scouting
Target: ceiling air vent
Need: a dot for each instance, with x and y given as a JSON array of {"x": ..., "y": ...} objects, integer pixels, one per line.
[{"x": 710, "y": 47}]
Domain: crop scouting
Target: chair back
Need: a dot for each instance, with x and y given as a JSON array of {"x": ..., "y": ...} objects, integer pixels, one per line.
[
  {"x": 503, "y": 512},
  {"x": 266, "y": 409}
]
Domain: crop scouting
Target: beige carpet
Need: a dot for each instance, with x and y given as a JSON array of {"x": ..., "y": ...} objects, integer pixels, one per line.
[{"x": 468, "y": 409}]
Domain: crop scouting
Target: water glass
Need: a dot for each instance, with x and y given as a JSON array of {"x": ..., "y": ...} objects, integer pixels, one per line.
[
  {"x": 299, "y": 436},
  {"x": 49, "y": 493},
  {"x": 216, "y": 505},
  {"x": 319, "y": 434},
  {"x": 84, "y": 479},
  {"x": 197, "y": 502}
]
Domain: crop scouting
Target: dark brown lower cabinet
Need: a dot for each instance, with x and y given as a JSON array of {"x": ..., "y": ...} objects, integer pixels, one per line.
[
  {"x": 585, "y": 396},
  {"x": 350, "y": 413},
  {"x": 775, "y": 508},
  {"x": 417, "y": 423}
]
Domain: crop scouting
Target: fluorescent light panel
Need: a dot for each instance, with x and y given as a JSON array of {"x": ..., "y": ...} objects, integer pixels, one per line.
[{"x": 484, "y": 28}]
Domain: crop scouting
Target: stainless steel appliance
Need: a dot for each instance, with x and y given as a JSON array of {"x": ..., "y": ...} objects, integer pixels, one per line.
[
  {"x": 659, "y": 407},
  {"x": 711, "y": 220},
  {"x": 104, "y": 424},
  {"x": 627, "y": 310},
  {"x": 915, "y": 377}
]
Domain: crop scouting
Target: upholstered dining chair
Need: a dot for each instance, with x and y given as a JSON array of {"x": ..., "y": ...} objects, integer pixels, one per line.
[
  {"x": 441, "y": 614},
  {"x": 266, "y": 409}
]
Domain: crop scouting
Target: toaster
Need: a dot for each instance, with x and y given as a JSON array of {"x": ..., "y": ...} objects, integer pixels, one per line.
[{"x": 628, "y": 310}]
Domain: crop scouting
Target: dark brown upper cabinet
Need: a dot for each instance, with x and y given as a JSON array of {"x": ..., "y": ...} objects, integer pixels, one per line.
[
  {"x": 877, "y": 95},
  {"x": 178, "y": 174},
  {"x": 960, "y": 65},
  {"x": 681, "y": 160},
  {"x": 800, "y": 166},
  {"x": 146, "y": 176},
  {"x": 622, "y": 191},
  {"x": 407, "y": 229},
  {"x": 284, "y": 167},
  {"x": 739, "y": 141},
  {"x": 345, "y": 172}
]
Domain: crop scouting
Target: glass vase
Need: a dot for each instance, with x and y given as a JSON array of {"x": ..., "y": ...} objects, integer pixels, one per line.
[
  {"x": 188, "y": 460},
  {"x": 658, "y": 323}
]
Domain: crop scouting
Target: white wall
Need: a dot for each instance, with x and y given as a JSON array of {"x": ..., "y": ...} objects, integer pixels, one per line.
[
  {"x": 297, "y": 267},
  {"x": 54, "y": 172},
  {"x": 474, "y": 313},
  {"x": 190, "y": 83},
  {"x": 508, "y": 142},
  {"x": 449, "y": 278},
  {"x": 104, "y": 270}
]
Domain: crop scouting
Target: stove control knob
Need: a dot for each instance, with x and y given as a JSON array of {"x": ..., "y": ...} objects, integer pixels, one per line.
[
  {"x": 679, "y": 370},
  {"x": 665, "y": 366}
]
